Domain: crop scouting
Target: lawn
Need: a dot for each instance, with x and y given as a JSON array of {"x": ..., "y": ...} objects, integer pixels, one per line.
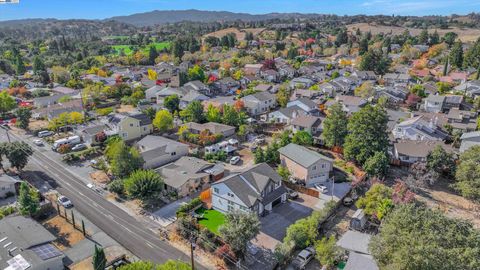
[
  {"x": 128, "y": 48},
  {"x": 212, "y": 219}
]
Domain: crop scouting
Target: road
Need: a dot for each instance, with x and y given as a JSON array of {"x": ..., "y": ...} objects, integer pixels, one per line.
[{"x": 125, "y": 229}]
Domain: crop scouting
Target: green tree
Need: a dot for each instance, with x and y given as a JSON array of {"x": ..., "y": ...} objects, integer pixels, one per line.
[
  {"x": 143, "y": 265},
  {"x": 335, "y": 126},
  {"x": 450, "y": 38},
  {"x": 414, "y": 237},
  {"x": 172, "y": 103},
  {"x": 196, "y": 73},
  {"x": 472, "y": 56},
  {"x": 374, "y": 60},
  {"x": 122, "y": 158},
  {"x": 366, "y": 134},
  {"x": 467, "y": 176},
  {"x": 366, "y": 90},
  {"x": 213, "y": 114},
  {"x": 28, "y": 200},
  {"x": 38, "y": 65},
  {"x": 7, "y": 102},
  {"x": 99, "y": 260},
  {"x": 239, "y": 228},
  {"x": 23, "y": 117},
  {"x": 303, "y": 232},
  {"x": 193, "y": 112},
  {"x": 20, "y": 68},
  {"x": 163, "y": 120},
  {"x": 456, "y": 55},
  {"x": 423, "y": 37},
  {"x": 152, "y": 55},
  {"x": 363, "y": 46},
  {"x": 283, "y": 95},
  {"x": 259, "y": 156},
  {"x": 18, "y": 153},
  {"x": 441, "y": 161},
  {"x": 283, "y": 172},
  {"x": 328, "y": 252},
  {"x": 143, "y": 184},
  {"x": 377, "y": 165},
  {"x": 377, "y": 201},
  {"x": 302, "y": 138}
]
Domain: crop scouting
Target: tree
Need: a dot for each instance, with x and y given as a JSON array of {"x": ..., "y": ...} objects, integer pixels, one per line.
[
  {"x": 143, "y": 184},
  {"x": 172, "y": 103},
  {"x": 152, "y": 74},
  {"x": 365, "y": 90},
  {"x": 327, "y": 251},
  {"x": 366, "y": 134},
  {"x": 456, "y": 55},
  {"x": 28, "y": 200},
  {"x": 193, "y": 112},
  {"x": 239, "y": 228},
  {"x": 283, "y": 95},
  {"x": 20, "y": 68},
  {"x": 335, "y": 126},
  {"x": 23, "y": 117},
  {"x": 423, "y": 37},
  {"x": 377, "y": 165},
  {"x": 99, "y": 260},
  {"x": 38, "y": 65},
  {"x": 303, "y": 232},
  {"x": 143, "y": 265},
  {"x": 196, "y": 73},
  {"x": 441, "y": 161},
  {"x": 363, "y": 46},
  {"x": 377, "y": 202},
  {"x": 123, "y": 159},
  {"x": 472, "y": 56},
  {"x": 7, "y": 103},
  {"x": 259, "y": 156},
  {"x": 152, "y": 55},
  {"x": 302, "y": 138},
  {"x": 213, "y": 114},
  {"x": 450, "y": 38},
  {"x": 163, "y": 120},
  {"x": 18, "y": 153},
  {"x": 374, "y": 60},
  {"x": 283, "y": 172},
  {"x": 467, "y": 176},
  {"x": 341, "y": 37},
  {"x": 414, "y": 237}
]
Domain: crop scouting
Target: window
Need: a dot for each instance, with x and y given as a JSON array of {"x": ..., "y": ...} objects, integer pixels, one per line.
[
  {"x": 131, "y": 124},
  {"x": 231, "y": 195},
  {"x": 314, "y": 167},
  {"x": 173, "y": 153},
  {"x": 216, "y": 190},
  {"x": 230, "y": 208},
  {"x": 230, "y": 202}
]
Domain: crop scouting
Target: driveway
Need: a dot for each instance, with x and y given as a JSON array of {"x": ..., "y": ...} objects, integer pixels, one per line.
[
  {"x": 167, "y": 214},
  {"x": 274, "y": 225}
]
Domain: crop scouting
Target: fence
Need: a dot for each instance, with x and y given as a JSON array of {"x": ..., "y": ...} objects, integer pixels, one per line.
[
  {"x": 80, "y": 227},
  {"x": 302, "y": 189}
]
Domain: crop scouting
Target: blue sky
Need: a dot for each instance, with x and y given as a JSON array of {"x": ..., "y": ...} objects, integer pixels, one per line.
[{"x": 99, "y": 9}]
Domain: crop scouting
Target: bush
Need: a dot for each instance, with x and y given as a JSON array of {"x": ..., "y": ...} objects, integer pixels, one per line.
[
  {"x": 117, "y": 186},
  {"x": 219, "y": 156},
  {"x": 104, "y": 111},
  {"x": 226, "y": 253},
  {"x": 184, "y": 209}
]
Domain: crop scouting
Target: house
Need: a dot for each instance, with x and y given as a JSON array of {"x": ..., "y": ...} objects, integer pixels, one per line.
[
  {"x": 197, "y": 86},
  {"x": 308, "y": 123},
  {"x": 469, "y": 140},
  {"x": 356, "y": 244},
  {"x": 219, "y": 102},
  {"x": 191, "y": 96},
  {"x": 259, "y": 103},
  {"x": 151, "y": 93},
  {"x": 305, "y": 93},
  {"x": 256, "y": 189},
  {"x": 301, "y": 82},
  {"x": 227, "y": 85},
  {"x": 418, "y": 129},
  {"x": 157, "y": 151},
  {"x": 89, "y": 133},
  {"x": 409, "y": 151},
  {"x": 350, "y": 104},
  {"x": 263, "y": 88},
  {"x": 8, "y": 186},
  {"x": 214, "y": 128},
  {"x": 170, "y": 91},
  {"x": 305, "y": 104},
  {"x": 189, "y": 174},
  {"x": 270, "y": 75},
  {"x": 452, "y": 101},
  {"x": 42, "y": 102},
  {"x": 434, "y": 103},
  {"x": 252, "y": 69},
  {"x": 129, "y": 126},
  {"x": 305, "y": 164},
  {"x": 52, "y": 111},
  {"x": 471, "y": 88},
  {"x": 365, "y": 75},
  {"x": 286, "y": 115},
  {"x": 394, "y": 95},
  {"x": 464, "y": 121},
  {"x": 28, "y": 245}
]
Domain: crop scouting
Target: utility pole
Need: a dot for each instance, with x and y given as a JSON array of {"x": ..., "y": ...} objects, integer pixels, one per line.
[
  {"x": 6, "y": 131},
  {"x": 192, "y": 247}
]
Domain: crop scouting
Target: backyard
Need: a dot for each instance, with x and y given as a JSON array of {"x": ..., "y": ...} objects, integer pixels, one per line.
[{"x": 212, "y": 219}]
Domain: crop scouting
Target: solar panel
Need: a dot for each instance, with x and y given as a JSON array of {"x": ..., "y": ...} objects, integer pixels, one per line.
[
  {"x": 46, "y": 251},
  {"x": 18, "y": 263}
]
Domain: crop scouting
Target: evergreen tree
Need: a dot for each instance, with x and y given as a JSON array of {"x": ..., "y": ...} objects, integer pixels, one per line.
[
  {"x": 28, "y": 201},
  {"x": 20, "y": 68},
  {"x": 456, "y": 55},
  {"x": 335, "y": 126},
  {"x": 99, "y": 260},
  {"x": 152, "y": 55}
]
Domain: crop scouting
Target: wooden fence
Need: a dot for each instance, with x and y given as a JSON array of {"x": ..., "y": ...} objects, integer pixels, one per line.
[{"x": 302, "y": 189}]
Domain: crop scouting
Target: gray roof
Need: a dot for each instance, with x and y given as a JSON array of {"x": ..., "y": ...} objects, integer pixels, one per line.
[
  {"x": 308, "y": 102},
  {"x": 25, "y": 234},
  {"x": 215, "y": 128},
  {"x": 151, "y": 142},
  {"x": 143, "y": 118},
  {"x": 93, "y": 130},
  {"x": 469, "y": 135},
  {"x": 261, "y": 96},
  {"x": 4, "y": 178},
  {"x": 307, "y": 121},
  {"x": 355, "y": 241},
  {"x": 357, "y": 261},
  {"x": 419, "y": 148},
  {"x": 436, "y": 98},
  {"x": 302, "y": 155},
  {"x": 176, "y": 174},
  {"x": 289, "y": 111},
  {"x": 249, "y": 184}
]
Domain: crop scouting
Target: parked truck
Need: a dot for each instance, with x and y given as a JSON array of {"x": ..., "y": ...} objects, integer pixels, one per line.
[{"x": 70, "y": 141}]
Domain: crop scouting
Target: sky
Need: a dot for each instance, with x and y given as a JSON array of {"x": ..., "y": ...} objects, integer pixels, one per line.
[{"x": 100, "y": 9}]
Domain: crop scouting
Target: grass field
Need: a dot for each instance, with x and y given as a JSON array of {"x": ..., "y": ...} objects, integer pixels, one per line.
[
  {"x": 128, "y": 48},
  {"x": 212, "y": 219}
]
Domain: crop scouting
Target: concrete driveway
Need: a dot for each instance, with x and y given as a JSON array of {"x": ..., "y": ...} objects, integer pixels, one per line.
[
  {"x": 167, "y": 214},
  {"x": 274, "y": 225}
]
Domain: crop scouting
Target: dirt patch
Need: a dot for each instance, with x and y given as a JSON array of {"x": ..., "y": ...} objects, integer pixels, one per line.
[
  {"x": 37, "y": 124},
  {"x": 465, "y": 34},
  {"x": 66, "y": 235},
  {"x": 111, "y": 253},
  {"x": 100, "y": 177},
  {"x": 126, "y": 109}
]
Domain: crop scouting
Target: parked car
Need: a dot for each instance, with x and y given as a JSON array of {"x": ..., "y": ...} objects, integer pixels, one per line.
[
  {"x": 79, "y": 147},
  {"x": 38, "y": 142},
  {"x": 234, "y": 160},
  {"x": 292, "y": 194},
  {"x": 259, "y": 140},
  {"x": 296, "y": 181},
  {"x": 347, "y": 201},
  {"x": 65, "y": 202},
  {"x": 44, "y": 133},
  {"x": 321, "y": 188},
  {"x": 303, "y": 258}
]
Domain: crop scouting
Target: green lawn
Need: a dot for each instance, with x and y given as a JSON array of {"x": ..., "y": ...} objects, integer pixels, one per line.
[
  {"x": 212, "y": 219},
  {"x": 128, "y": 51}
]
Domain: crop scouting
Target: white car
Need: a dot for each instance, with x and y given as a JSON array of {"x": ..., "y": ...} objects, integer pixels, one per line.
[
  {"x": 65, "y": 202},
  {"x": 321, "y": 188},
  {"x": 303, "y": 258},
  {"x": 234, "y": 160},
  {"x": 38, "y": 142},
  {"x": 44, "y": 133},
  {"x": 79, "y": 147}
]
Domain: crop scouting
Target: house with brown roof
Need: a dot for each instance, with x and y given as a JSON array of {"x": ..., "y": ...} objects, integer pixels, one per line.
[{"x": 409, "y": 151}]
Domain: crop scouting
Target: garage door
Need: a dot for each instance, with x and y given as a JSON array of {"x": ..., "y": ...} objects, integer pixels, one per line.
[{"x": 277, "y": 201}]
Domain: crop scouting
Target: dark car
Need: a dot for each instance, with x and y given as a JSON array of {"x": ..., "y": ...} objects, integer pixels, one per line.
[{"x": 347, "y": 201}]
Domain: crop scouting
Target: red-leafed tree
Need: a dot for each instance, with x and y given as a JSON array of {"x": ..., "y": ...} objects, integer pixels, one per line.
[
  {"x": 413, "y": 100},
  {"x": 401, "y": 193},
  {"x": 269, "y": 64}
]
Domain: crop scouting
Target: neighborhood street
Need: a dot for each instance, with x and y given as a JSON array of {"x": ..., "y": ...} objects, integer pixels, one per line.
[{"x": 126, "y": 230}]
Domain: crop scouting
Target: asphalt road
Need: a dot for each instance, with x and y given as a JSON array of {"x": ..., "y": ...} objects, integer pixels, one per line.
[{"x": 125, "y": 229}]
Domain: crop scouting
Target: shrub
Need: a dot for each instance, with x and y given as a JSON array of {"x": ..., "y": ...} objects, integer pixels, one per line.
[
  {"x": 189, "y": 206},
  {"x": 117, "y": 186},
  {"x": 226, "y": 253}
]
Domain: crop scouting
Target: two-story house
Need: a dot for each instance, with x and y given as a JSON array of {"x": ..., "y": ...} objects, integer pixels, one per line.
[
  {"x": 257, "y": 189},
  {"x": 130, "y": 126},
  {"x": 259, "y": 103},
  {"x": 418, "y": 129},
  {"x": 157, "y": 151},
  {"x": 305, "y": 164}
]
